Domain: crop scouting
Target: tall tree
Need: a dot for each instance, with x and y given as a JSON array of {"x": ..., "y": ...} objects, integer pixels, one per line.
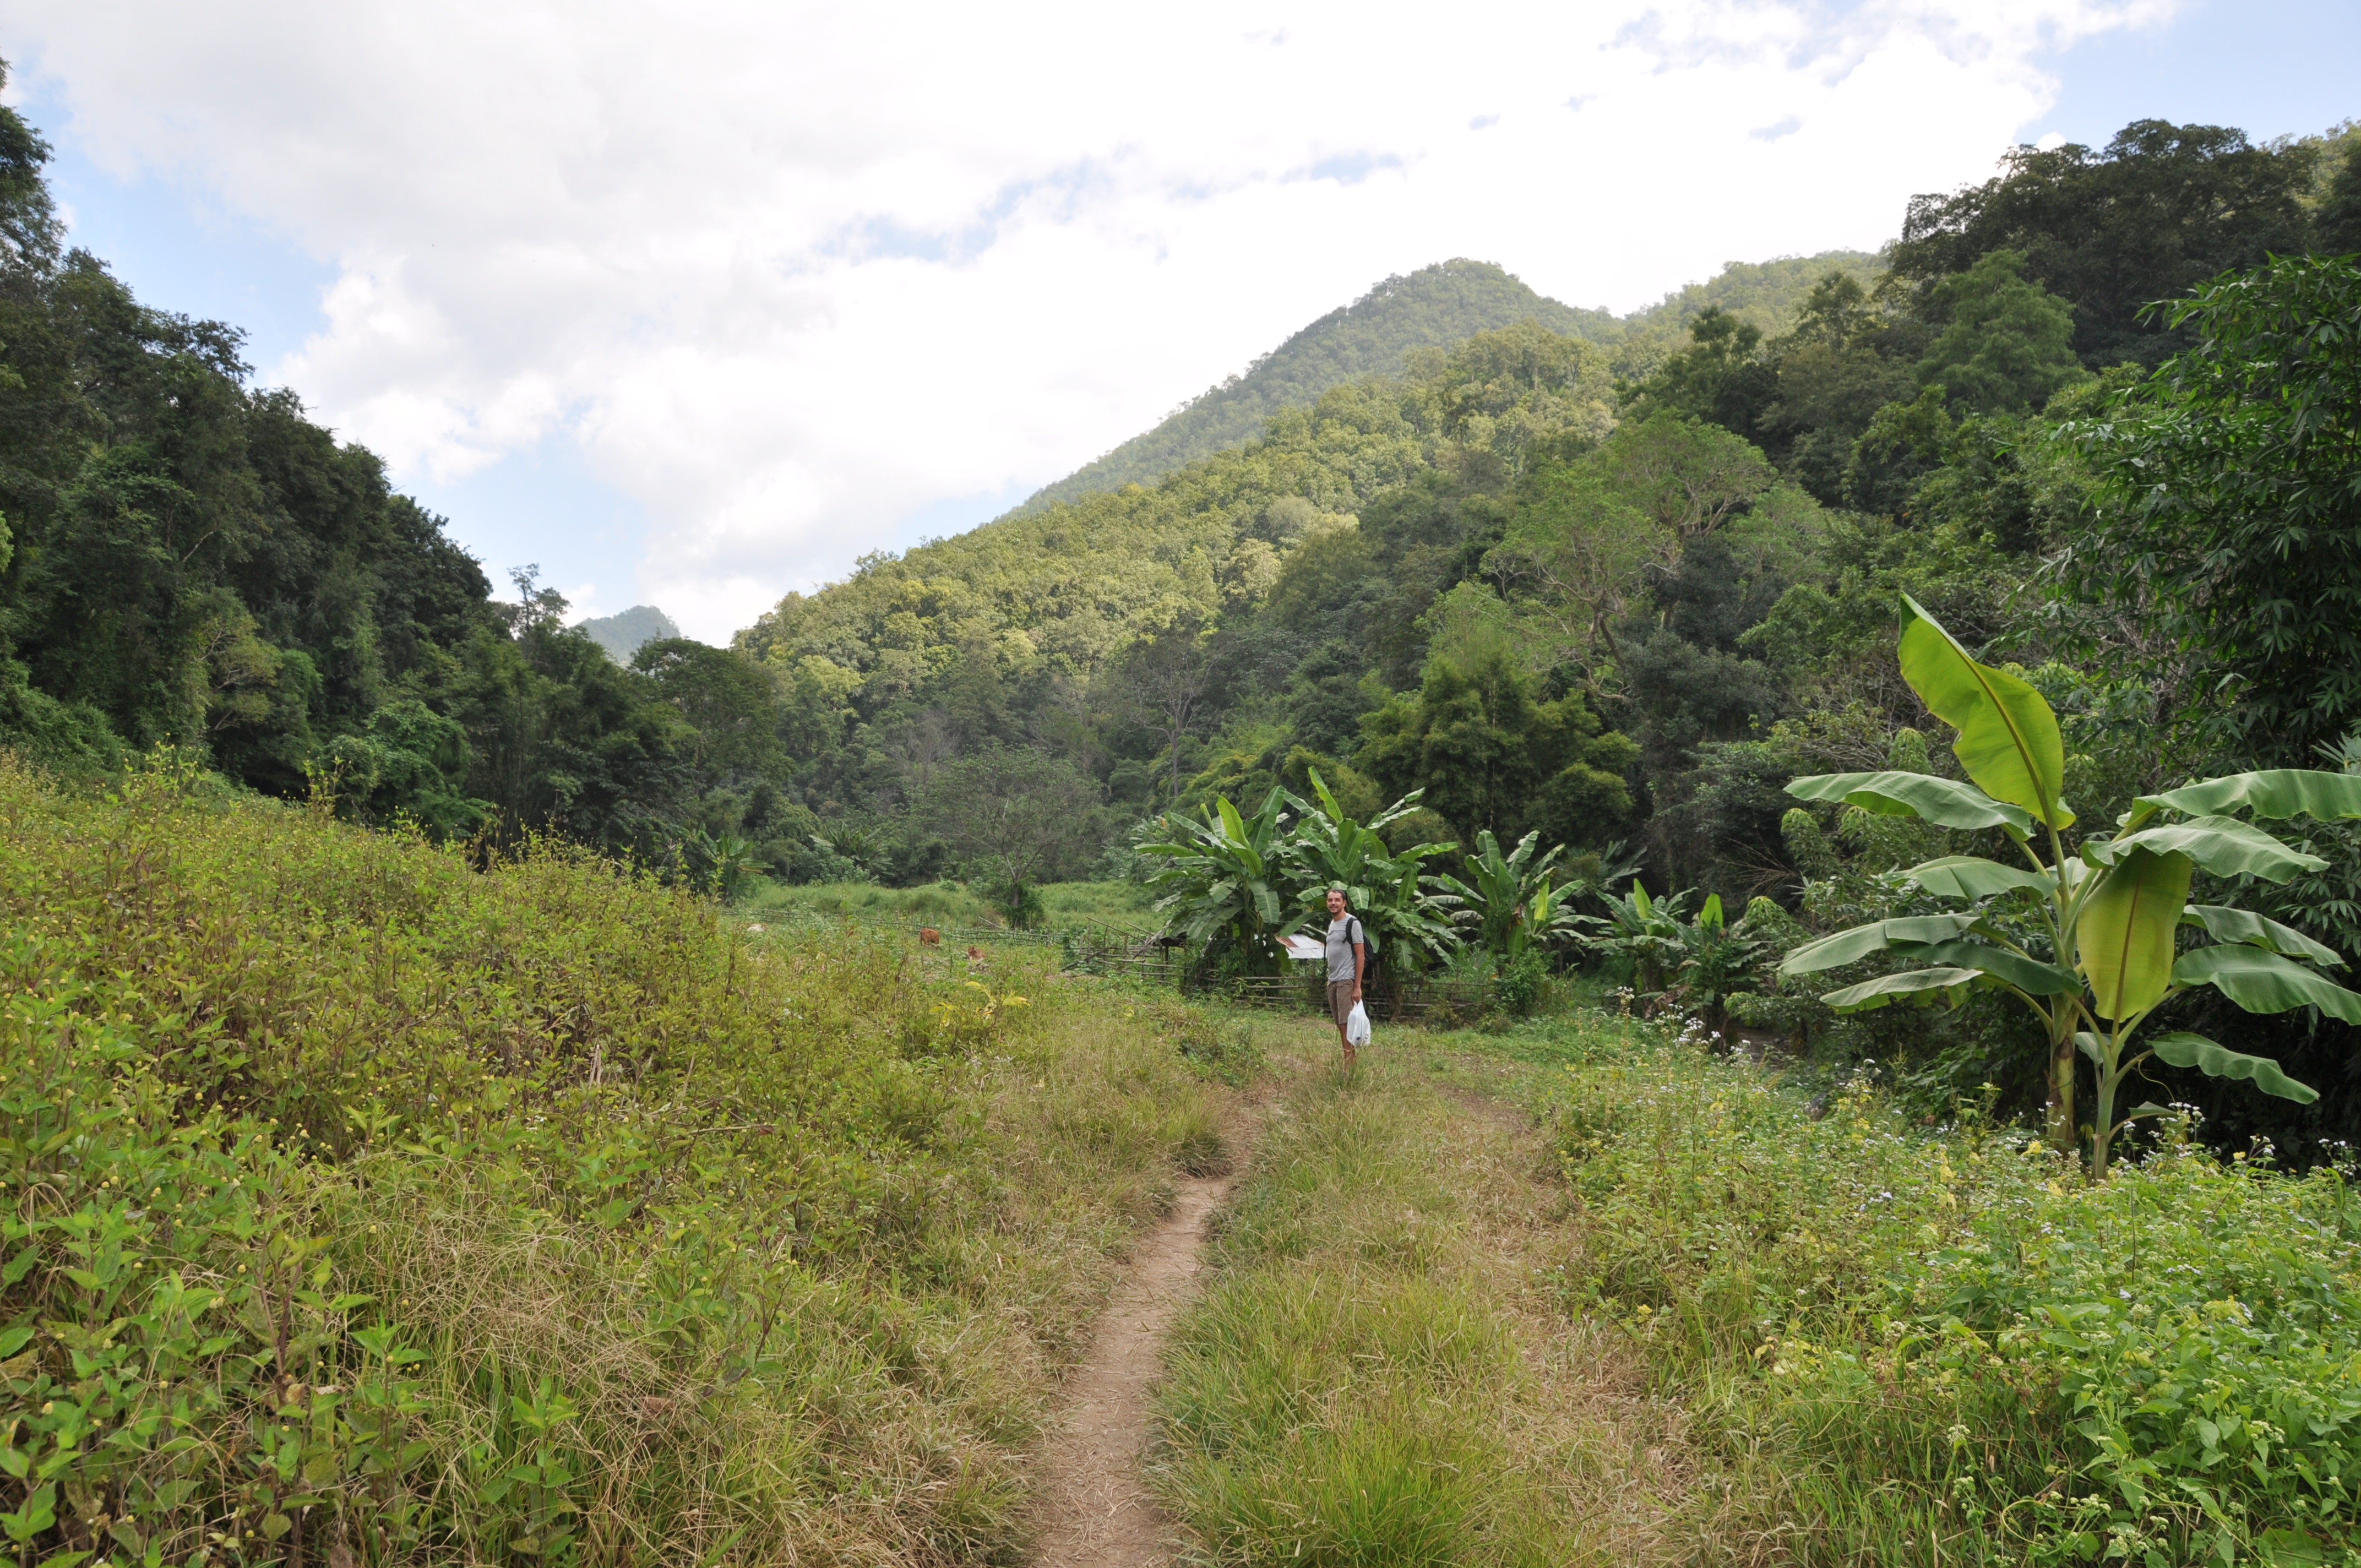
[{"x": 2229, "y": 507}]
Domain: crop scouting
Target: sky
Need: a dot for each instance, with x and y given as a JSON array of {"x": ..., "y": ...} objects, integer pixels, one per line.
[{"x": 692, "y": 306}]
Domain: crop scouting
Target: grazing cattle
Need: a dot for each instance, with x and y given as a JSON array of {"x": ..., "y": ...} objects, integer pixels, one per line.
[{"x": 929, "y": 936}]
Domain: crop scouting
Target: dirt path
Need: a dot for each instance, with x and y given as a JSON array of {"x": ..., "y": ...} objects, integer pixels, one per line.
[{"x": 1095, "y": 1510}]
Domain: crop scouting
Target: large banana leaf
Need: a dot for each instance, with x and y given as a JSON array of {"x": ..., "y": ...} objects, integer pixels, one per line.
[
  {"x": 2029, "y": 975},
  {"x": 1242, "y": 843},
  {"x": 1947, "y": 985},
  {"x": 2223, "y": 845},
  {"x": 2182, "y": 1048},
  {"x": 2008, "y": 738},
  {"x": 1967, "y": 876},
  {"x": 2227, "y": 924},
  {"x": 2128, "y": 925},
  {"x": 1831, "y": 953},
  {"x": 2273, "y": 794},
  {"x": 1946, "y": 802},
  {"x": 2265, "y": 982}
]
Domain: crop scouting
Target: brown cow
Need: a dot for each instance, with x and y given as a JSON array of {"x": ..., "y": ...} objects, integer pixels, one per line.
[{"x": 929, "y": 936}]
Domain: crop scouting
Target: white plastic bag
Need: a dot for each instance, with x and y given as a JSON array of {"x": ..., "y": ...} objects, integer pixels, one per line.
[{"x": 1356, "y": 1025}]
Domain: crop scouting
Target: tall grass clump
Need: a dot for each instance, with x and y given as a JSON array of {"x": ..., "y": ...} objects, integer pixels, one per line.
[
  {"x": 365, "y": 1203},
  {"x": 1945, "y": 1346}
]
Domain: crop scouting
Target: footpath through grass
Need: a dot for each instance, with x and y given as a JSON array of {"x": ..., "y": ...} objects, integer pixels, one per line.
[
  {"x": 365, "y": 1205},
  {"x": 1893, "y": 1344},
  {"x": 1377, "y": 1373}
]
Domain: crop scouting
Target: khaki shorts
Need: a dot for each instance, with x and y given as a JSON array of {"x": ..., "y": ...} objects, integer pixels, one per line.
[{"x": 1340, "y": 1000}]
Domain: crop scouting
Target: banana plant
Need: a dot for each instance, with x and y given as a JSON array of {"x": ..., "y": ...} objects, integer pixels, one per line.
[
  {"x": 2088, "y": 936},
  {"x": 1648, "y": 931},
  {"x": 1510, "y": 899},
  {"x": 1389, "y": 892},
  {"x": 1224, "y": 877}
]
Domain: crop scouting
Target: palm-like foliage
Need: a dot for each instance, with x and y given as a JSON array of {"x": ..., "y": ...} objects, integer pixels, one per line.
[
  {"x": 2109, "y": 915},
  {"x": 1510, "y": 898},
  {"x": 1649, "y": 932},
  {"x": 1404, "y": 921},
  {"x": 723, "y": 865},
  {"x": 1223, "y": 879}
]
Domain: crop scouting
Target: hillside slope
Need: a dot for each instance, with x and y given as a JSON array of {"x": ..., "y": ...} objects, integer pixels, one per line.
[
  {"x": 1435, "y": 307},
  {"x": 1767, "y": 293}
]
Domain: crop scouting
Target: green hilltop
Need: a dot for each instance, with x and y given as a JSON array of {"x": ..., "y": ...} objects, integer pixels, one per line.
[{"x": 1436, "y": 307}]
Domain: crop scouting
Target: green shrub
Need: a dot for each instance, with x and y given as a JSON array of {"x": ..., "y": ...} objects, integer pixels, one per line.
[
  {"x": 1945, "y": 1345},
  {"x": 1521, "y": 983}
]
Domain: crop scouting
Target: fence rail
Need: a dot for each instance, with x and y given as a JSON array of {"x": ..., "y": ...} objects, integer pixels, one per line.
[{"x": 1388, "y": 1002}]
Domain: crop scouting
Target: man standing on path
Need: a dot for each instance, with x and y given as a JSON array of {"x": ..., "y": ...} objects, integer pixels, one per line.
[{"x": 1348, "y": 958}]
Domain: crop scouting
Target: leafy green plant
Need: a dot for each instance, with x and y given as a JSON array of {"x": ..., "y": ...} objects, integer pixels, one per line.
[
  {"x": 1521, "y": 983},
  {"x": 2089, "y": 939},
  {"x": 1222, "y": 877},
  {"x": 1931, "y": 1346},
  {"x": 1390, "y": 893},
  {"x": 1510, "y": 897},
  {"x": 1717, "y": 960},
  {"x": 724, "y": 864},
  {"x": 1645, "y": 933}
]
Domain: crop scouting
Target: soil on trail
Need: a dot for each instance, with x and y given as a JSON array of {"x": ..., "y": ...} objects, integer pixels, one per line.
[{"x": 1095, "y": 1508}]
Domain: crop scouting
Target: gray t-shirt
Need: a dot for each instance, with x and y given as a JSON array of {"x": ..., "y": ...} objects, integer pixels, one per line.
[{"x": 1343, "y": 961}]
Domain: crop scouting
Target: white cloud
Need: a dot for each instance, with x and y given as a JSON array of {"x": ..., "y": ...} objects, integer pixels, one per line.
[{"x": 788, "y": 273}]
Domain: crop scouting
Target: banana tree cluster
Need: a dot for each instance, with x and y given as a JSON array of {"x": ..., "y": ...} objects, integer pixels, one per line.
[
  {"x": 1223, "y": 875},
  {"x": 1249, "y": 881},
  {"x": 2088, "y": 937},
  {"x": 1511, "y": 900},
  {"x": 1391, "y": 892}
]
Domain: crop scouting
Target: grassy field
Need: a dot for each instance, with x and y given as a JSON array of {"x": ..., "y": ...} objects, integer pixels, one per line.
[
  {"x": 367, "y": 1205},
  {"x": 371, "y": 1203},
  {"x": 1692, "y": 1316}
]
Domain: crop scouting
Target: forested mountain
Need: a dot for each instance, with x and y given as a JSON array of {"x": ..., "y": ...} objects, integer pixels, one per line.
[
  {"x": 1629, "y": 608},
  {"x": 1765, "y": 295},
  {"x": 624, "y": 632},
  {"x": 1436, "y": 307}
]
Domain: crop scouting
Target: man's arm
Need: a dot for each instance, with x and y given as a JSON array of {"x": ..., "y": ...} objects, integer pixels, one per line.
[{"x": 1360, "y": 963}]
